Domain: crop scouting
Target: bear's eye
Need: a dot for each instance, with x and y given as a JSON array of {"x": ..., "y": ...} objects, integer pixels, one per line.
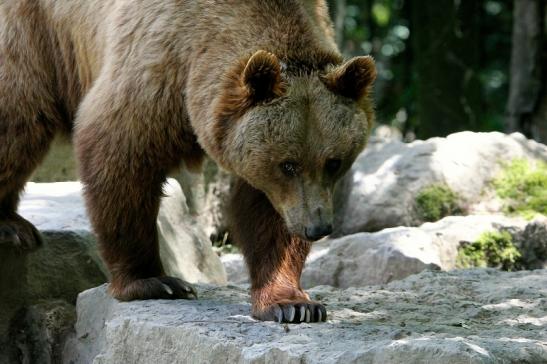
[
  {"x": 332, "y": 166},
  {"x": 288, "y": 168}
]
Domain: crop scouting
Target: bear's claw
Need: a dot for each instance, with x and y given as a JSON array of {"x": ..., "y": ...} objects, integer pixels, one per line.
[
  {"x": 296, "y": 312},
  {"x": 154, "y": 288},
  {"x": 178, "y": 288},
  {"x": 19, "y": 233}
]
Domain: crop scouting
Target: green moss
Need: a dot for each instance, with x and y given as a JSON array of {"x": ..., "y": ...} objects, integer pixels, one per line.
[
  {"x": 492, "y": 249},
  {"x": 523, "y": 187},
  {"x": 437, "y": 201}
]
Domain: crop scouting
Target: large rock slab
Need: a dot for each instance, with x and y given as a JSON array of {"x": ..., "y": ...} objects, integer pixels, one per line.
[
  {"x": 380, "y": 189},
  {"x": 391, "y": 254},
  {"x": 69, "y": 263},
  {"x": 58, "y": 211},
  {"x": 476, "y": 316}
]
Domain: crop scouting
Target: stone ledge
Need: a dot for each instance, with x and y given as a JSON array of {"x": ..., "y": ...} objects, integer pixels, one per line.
[{"x": 470, "y": 316}]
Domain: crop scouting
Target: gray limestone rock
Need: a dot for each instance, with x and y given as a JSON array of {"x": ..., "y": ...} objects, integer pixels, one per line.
[
  {"x": 58, "y": 210},
  {"x": 469, "y": 316},
  {"x": 391, "y": 254},
  {"x": 380, "y": 189}
]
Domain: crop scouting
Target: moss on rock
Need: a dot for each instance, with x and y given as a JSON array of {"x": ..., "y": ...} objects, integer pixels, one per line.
[
  {"x": 437, "y": 201},
  {"x": 522, "y": 185},
  {"x": 492, "y": 249}
]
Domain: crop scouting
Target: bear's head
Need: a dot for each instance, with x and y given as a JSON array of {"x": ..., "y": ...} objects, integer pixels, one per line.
[{"x": 293, "y": 137}]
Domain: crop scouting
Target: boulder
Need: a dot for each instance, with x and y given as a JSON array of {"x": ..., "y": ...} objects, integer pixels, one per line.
[
  {"x": 469, "y": 316},
  {"x": 193, "y": 188},
  {"x": 185, "y": 249},
  {"x": 213, "y": 216},
  {"x": 38, "y": 332},
  {"x": 13, "y": 293},
  {"x": 68, "y": 262},
  {"x": 58, "y": 211},
  {"x": 381, "y": 188},
  {"x": 391, "y": 254},
  {"x": 532, "y": 243}
]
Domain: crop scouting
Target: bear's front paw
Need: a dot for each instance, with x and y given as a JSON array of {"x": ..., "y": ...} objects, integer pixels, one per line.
[
  {"x": 292, "y": 312},
  {"x": 17, "y": 232},
  {"x": 153, "y": 288}
]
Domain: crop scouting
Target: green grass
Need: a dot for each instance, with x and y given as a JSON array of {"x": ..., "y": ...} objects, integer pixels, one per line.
[
  {"x": 492, "y": 249},
  {"x": 437, "y": 201},
  {"x": 523, "y": 187}
]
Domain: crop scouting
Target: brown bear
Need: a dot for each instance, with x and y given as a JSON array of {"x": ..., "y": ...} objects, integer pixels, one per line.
[{"x": 144, "y": 85}]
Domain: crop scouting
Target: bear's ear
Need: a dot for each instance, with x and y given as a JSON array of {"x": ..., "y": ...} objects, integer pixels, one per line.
[
  {"x": 262, "y": 77},
  {"x": 353, "y": 79}
]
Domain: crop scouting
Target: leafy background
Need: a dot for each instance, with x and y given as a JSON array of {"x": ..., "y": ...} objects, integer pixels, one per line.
[{"x": 445, "y": 65}]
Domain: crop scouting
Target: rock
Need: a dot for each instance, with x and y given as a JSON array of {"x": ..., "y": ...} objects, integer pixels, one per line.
[
  {"x": 67, "y": 264},
  {"x": 213, "y": 216},
  {"x": 532, "y": 243},
  {"x": 395, "y": 253},
  {"x": 186, "y": 251},
  {"x": 475, "y": 316},
  {"x": 58, "y": 210},
  {"x": 391, "y": 254},
  {"x": 385, "y": 133},
  {"x": 207, "y": 197},
  {"x": 13, "y": 293},
  {"x": 192, "y": 185},
  {"x": 236, "y": 271},
  {"x": 380, "y": 189},
  {"x": 39, "y": 331},
  {"x": 55, "y": 206}
]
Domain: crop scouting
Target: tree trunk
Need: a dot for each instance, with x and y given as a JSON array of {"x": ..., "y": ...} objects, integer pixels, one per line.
[
  {"x": 339, "y": 23},
  {"x": 527, "y": 104},
  {"x": 446, "y": 50}
]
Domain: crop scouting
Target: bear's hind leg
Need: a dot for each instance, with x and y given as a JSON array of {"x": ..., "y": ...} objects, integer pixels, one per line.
[{"x": 275, "y": 259}]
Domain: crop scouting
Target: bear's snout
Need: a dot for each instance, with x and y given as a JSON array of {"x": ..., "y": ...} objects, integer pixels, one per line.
[{"x": 316, "y": 232}]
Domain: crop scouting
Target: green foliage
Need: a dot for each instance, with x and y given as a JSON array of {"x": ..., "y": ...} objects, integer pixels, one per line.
[
  {"x": 437, "y": 201},
  {"x": 226, "y": 249},
  {"x": 381, "y": 13},
  {"x": 523, "y": 187},
  {"x": 387, "y": 30},
  {"x": 223, "y": 245},
  {"x": 492, "y": 249}
]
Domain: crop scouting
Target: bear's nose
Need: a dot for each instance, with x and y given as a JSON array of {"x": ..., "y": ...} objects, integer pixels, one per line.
[{"x": 316, "y": 232}]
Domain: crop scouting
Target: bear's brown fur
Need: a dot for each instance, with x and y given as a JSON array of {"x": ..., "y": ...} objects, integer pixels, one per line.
[{"x": 258, "y": 85}]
